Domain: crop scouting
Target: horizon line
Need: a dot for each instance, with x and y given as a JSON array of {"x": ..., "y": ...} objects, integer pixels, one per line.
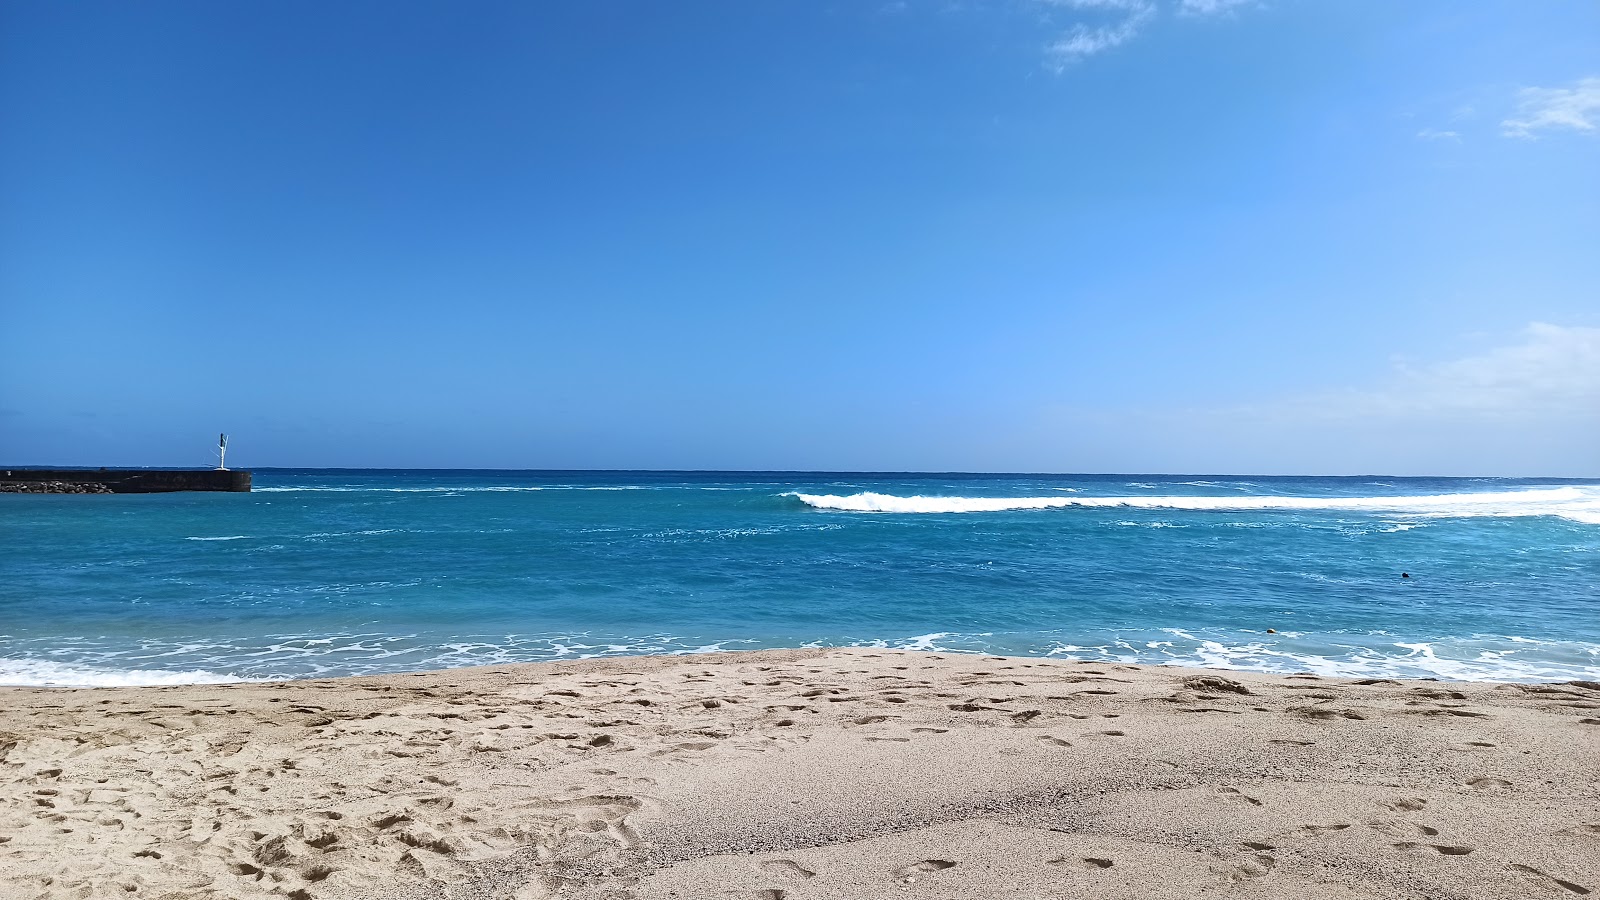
[{"x": 915, "y": 472}]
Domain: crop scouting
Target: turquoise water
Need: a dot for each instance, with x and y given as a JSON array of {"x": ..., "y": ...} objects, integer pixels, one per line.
[{"x": 346, "y": 572}]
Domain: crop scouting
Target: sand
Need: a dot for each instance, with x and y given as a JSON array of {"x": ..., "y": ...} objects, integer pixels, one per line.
[{"x": 790, "y": 775}]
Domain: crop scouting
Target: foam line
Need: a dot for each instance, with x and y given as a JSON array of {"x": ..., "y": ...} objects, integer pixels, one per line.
[
  {"x": 1576, "y": 504},
  {"x": 46, "y": 673}
]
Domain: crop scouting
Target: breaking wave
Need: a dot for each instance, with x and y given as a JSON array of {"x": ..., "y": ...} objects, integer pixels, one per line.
[
  {"x": 1575, "y": 504},
  {"x": 49, "y": 673}
]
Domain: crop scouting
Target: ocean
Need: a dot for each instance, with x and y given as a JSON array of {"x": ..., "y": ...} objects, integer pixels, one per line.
[{"x": 347, "y": 572}]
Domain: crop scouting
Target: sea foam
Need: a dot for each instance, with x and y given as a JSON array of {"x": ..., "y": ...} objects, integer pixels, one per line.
[
  {"x": 1575, "y": 504},
  {"x": 48, "y": 673}
]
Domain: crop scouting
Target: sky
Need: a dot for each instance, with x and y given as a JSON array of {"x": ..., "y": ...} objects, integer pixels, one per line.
[{"x": 1188, "y": 236}]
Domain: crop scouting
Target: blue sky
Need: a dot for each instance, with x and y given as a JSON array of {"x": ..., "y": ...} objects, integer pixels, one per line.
[{"x": 1019, "y": 235}]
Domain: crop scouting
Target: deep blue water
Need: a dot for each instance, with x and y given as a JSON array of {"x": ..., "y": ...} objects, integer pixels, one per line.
[{"x": 345, "y": 572}]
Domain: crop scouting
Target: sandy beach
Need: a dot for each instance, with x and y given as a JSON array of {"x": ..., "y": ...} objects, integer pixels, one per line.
[{"x": 787, "y": 775}]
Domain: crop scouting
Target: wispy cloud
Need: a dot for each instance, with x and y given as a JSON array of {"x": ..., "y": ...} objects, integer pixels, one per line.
[
  {"x": 1526, "y": 404},
  {"x": 1085, "y": 40},
  {"x": 1544, "y": 109},
  {"x": 1548, "y": 371},
  {"x": 1429, "y": 134},
  {"x": 1107, "y": 24},
  {"x": 1210, "y": 7}
]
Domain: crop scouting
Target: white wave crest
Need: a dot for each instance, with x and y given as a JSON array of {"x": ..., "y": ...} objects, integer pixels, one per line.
[
  {"x": 231, "y": 537},
  {"x": 46, "y": 673},
  {"x": 1454, "y": 659},
  {"x": 1573, "y": 503}
]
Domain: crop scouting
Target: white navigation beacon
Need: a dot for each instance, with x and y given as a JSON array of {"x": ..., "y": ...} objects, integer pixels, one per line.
[{"x": 222, "y": 453}]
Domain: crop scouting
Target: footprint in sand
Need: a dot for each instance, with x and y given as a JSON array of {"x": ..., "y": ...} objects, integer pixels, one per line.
[
  {"x": 1402, "y": 829},
  {"x": 909, "y": 874},
  {"x": 1487, "y": 783},
  {"x": 1258, "y": 865},
  {"x": 1409, "y": 804},
  {"x": 1215, "y": 683},
  {"x": 1441, "y": 849},
  {"x": 1054, "y": 741},
  {"x": 786, "y": 868},
  {"x": 1325, "y": 715},
  {"x": 1228, "y": 793},
  {"x": 1321, "y": 829},
  {"x": 1547, "y": 880},
  {"x": 1090, "y": 863}
]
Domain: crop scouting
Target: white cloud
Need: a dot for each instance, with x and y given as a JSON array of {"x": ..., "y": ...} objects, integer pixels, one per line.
[
  {"x": 1111, "y": 23},
  {"x": 1542, "y": 109},
  {"x": 1429, "y": 134},
  {"x": 1128, "y": 6},
  {"x": 1552, "y": 371},
  {"x": 1209, "y": 7},
  {"x": 1529, "y": 405},
  {"x": 1085, "y": 40}
]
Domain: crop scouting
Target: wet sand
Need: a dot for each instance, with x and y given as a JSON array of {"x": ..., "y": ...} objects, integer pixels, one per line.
[{"x": 789, "y": 775}]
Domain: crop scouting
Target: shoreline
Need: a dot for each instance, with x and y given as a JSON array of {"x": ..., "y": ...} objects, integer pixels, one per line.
[
  {"x": 794, "y": 774},
  {"x": 45, "y": 673}
]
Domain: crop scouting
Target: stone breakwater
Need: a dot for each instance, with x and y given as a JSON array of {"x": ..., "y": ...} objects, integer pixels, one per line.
[
  {"x": 53, "y": 487},
  {"x": 123, "y": 481}
]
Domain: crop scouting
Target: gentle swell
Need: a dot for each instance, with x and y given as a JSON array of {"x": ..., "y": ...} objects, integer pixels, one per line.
[
  {"x": 1576, "y": 504},
  {"x": 473, "y": 489}
]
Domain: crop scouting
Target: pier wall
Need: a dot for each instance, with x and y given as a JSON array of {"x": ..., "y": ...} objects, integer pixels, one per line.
[{"x": 133, "y": 481}]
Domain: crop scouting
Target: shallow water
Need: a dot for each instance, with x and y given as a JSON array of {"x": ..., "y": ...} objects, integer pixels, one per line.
[{"x": 348, "y": 572}]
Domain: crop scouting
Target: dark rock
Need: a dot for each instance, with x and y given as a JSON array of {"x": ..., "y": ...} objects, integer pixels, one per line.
[{"x": 53, "y": 487}]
